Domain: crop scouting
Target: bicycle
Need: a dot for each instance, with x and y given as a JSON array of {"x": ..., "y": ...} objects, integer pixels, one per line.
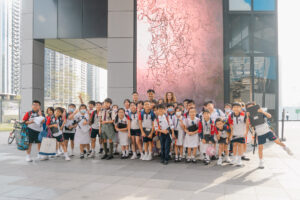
[{"x": 12, "y": 135}]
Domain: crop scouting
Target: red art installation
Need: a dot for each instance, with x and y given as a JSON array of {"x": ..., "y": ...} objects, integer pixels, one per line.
[{"x": 180, "y": 49}]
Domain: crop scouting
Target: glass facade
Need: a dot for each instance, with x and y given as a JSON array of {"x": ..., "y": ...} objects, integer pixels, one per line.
[{"x": 251, "y": 53}]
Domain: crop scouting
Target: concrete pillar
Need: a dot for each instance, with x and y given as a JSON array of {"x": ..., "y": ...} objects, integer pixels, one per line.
[
  {"x": 120, "y": 57},
  {"x": 32, "y": 61}
]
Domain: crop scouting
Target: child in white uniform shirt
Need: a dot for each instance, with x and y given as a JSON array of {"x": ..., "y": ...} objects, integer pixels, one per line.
[
  {"x": 122, "y": 126},
  {"x": 179, "y": 134}
]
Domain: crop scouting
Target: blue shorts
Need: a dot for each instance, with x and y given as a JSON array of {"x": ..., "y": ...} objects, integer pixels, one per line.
[
  {"x": 238, "y": 140},
  {"x": 263, "y": 138},
  {"x": 135, "y": 132}
]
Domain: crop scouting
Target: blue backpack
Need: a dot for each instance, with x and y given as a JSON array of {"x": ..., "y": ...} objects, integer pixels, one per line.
[{"x": 22, "y": 138}]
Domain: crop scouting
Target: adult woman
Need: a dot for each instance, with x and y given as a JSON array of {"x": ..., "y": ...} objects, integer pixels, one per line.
[{"x": 170, "y": 97}]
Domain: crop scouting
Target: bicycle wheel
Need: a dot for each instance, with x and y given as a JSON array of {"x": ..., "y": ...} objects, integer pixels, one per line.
[{"x": 11, "y": 138}]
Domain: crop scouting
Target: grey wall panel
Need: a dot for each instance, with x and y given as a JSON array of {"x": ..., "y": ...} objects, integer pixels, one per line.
[
  {"x": 94, "y": 18},
  {"x": 45, "y": 19},
  {"x": 69, "y": 18}
]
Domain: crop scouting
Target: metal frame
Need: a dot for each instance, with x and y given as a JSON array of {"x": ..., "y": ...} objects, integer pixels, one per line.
[{"x": 226, "y": 30}]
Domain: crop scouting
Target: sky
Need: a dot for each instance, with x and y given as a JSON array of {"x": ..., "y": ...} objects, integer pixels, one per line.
[{"x": 289, "y": 52}]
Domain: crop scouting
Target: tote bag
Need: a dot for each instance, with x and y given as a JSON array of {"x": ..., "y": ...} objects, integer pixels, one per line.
[{"x": 48, "y": 146}]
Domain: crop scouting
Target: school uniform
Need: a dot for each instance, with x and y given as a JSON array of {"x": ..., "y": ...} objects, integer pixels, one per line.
[
  {"x": 217, "y": 113},
  {"x": 163, "y": 123},
  {"x": 178, "y": 131},
  {"x": 147, "y": 121},
  {"x": 107, "y": 130},
  {"x": 95, "y": 123},
  {"x": 224, "y": 134},
  {"x": 123, "y": 135},
  {"x": 82, "y": 135},
  {"x": 134, "y": 124},
  {"x": 191, "y": 141},
  {"x": 207, "y": 130},
  {"x": 264, "y": 132},
  {"x": 239, "y": 127},
  {"x": 56, "y": 131},
  {"x": 69, "y": 133},
  {"x": 33, "y": 129}
]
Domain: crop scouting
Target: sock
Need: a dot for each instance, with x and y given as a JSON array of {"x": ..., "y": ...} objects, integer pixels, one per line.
[
  {"x": 66, "y": 154},
  {"x": 111, "y": 148},
  {"x": 134, "y": 153},
  {"x": 126, "y": 152},
  {"x": 105, "y": 148},
  {"x": 150, "y": 153}
]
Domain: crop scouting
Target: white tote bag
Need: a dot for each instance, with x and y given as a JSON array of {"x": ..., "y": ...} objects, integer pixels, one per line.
[{"x": 48, "y": 146}]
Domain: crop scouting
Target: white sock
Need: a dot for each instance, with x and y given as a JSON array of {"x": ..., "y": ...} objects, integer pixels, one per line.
[
  {"x": 134, "y": 153},
  {"x": 66, "y": 154}
]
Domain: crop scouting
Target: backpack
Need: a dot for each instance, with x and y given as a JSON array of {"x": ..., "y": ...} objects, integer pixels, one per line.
[
  {"x": 93, "y": 116},
  {"x": 22, "y": 138},
  {"x": 152, "y": 115},
  {"x": 232, "y": 116}
]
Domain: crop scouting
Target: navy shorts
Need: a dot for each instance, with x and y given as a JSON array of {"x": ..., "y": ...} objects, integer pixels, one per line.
[
  {"x": 94, "y": 133},
  {"x": 135, "y": 132},
  {"x": 207, "y": 138},
  {"x": 69, "y": 136},
  {"x": 147, "y": 139},
  {"x": 33, "y": 136},
  {"x": 263, "y": 138},
  {"x": 59, "y": 138},
  {"x": 238, "y": 140},
  {"x": 222, "y": 140}
]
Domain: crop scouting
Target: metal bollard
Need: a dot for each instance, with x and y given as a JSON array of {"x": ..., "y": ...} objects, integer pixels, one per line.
[{"x": 282, "y": 126}]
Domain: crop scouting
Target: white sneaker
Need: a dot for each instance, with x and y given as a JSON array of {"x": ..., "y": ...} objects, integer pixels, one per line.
[
  {"x": 219, "y": 161},
  {"x": 142, "y": 156},
  {"x": 227, "y": 159},
  {"x": 133, "y": 157},
  {"x": 149, "y": 157},
  {"x": 92, "y": 155},
  {"x": 201, "y": 157},
  {"x": 67, "y": 158},
  {"x": 239, "y": 162},
  {"x": 261, "y": 165},
  {"x": 28, "y": 158},
  {"x": 145, "y": 157},
  {"x": 233, "y": 161},
  {"x": 288, "y": 150},
  {"x": 72, "y": 153}
]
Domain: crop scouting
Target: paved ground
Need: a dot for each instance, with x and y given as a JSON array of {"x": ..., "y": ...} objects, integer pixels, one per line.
[{"x": 142, "y": 180}]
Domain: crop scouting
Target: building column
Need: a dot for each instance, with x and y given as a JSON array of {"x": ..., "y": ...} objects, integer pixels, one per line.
[
  {"x": 120, "y": 56},
  {"x": 32, "y": 61}
]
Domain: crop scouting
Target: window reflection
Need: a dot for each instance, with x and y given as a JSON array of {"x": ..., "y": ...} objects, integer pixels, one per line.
[
  {"x": 240, "y": 79},
  {"x": 239, "y": 5},
  {"x": 239, "y": 38},
  {"x": 263, "y": 5},
  {"x": 264, "y": 34}
]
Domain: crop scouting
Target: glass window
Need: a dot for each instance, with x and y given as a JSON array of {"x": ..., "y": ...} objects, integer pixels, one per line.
[
  {"x": 264, "y": 5},
  {"x": 240, "y": 79},
  {"x": 239, "y": 34},
  {"x": 264, "y": 34},
  {"x": 239, "y": 5}
]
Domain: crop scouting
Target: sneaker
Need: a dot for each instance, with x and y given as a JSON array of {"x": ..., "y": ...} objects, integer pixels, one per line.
[
  {"x": 82, "y": 156},
  {"x": 261, "y": 165},
  {"x": 104, "y": 156},
  {"x": 201, "y": 157},
  {"x": 233, "y": 161},
  {"x": 239, "y": 163},
  {"x": 213, "y": 158},
  {"x": 110, "y": 157},
  {"x": 219, "y": 161},
  {"x": 245, "y": 158},
  {"x": 72, "y": 153},
  {"x": 28, "y": 158},
  {"x": 142, "y": 157},
  {"x": 92, "y": 155},
  {"x": 188, "y": 160},
  {"x": 288, "y": 150},
  {"x": 180, "y": 159},
  {"x": 145, "y": 157},
  {"x": 89, "y": 153},
  {"x": 122, "y": 156},
  {"x": 194, "y": 160},
  {"x": 176, "y": 159},
  {"x": 116, "y": 153},
  {"x": 166, "y": 162},
  {"x": 84, "y": 151},
  {"x": 149, "y": 157},
  {"x": 101, "y": 151},
  {"x": 206, "y": 161},
  {"x": 227, "y": 159},
  {"x": 67, "y": 158},
  {"x": 133, "y": 157}
]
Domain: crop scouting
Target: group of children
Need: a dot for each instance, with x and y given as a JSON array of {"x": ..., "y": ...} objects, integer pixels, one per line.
[{"x": 144, "y": 129}]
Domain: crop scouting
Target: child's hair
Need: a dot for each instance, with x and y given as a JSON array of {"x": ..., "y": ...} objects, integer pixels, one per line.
[
  {"x": 82, "y": 106},
  {"x": 121, "y": 109},
  {"x": 140, "y": 102},
  {"x": 115, "y": 106},
  {"x": 154, "y": 101},
  {"x": 59, "y": 109},
  {"x": 161, "y": 106},
  {"x": 135, "y": 93},
  {"x": 219, "y": 120},
  {"x": 186, "y": 100},
  {"x": 92, "y": 102},
  {"x": 205, "y": 111},
  {"x": 236, "y": 104},
  {"x": 98, "y": 102},
  {"x": 132, "y": 103},
  {"x": 36, "y": 101},
  {"x": 72, "y": 105},
  {"x": 126, "y": 100},
  {"x": 208, "y": 102},
  {"x": 170, "y": 105},
  {"x": 108, "y": 100},
  {"x": 191, "y": 101},
  {"x": 150, "y": 90},
  {"x": 147, "y": 101},
  {"x": 178, "y": 108},
  {"x": 228, "y": 104},
  {"x": 50, "y": 108}
]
